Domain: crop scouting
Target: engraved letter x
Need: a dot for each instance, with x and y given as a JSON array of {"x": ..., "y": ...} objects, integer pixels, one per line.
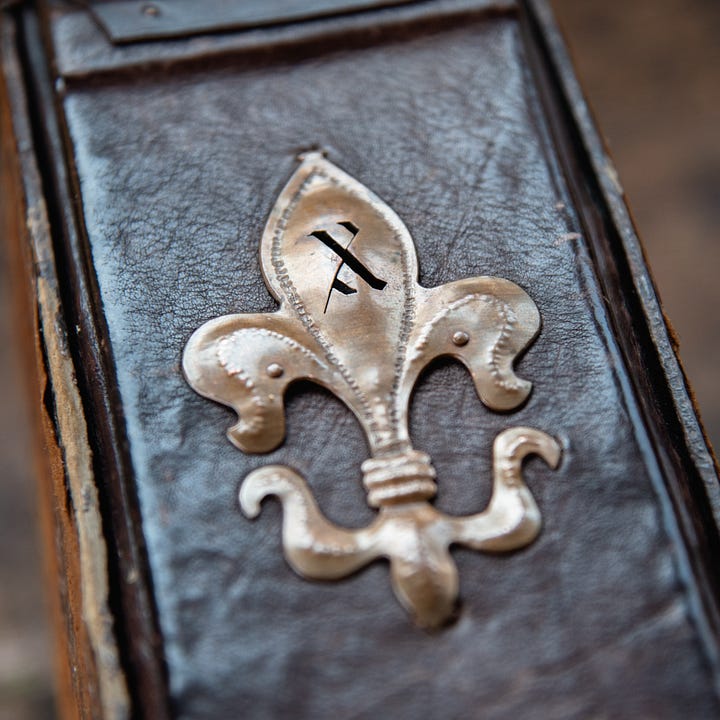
[{"x": 348, "y": 259}]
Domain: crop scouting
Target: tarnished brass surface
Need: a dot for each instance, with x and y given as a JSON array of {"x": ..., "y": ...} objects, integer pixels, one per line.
[{"x": 353, "y": 319}]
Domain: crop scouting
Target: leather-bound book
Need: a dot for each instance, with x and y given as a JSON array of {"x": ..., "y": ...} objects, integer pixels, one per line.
[{"x": 355, "y": 395}]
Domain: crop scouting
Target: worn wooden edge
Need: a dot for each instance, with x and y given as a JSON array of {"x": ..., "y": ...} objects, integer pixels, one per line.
[
  {"x": 689, "y": 492},
  {"x": 130, "y": 597},
  {"x": 89, "y": 679}
]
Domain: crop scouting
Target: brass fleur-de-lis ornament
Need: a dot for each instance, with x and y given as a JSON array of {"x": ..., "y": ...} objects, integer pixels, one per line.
[{"x": 353, "y": 319}]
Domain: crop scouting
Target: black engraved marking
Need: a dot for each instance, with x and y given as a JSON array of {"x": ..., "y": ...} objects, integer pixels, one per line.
[
  {"x": 348, "y": 259},
  {"x": 339, "y": 285},
  {"x": 352, "y": 227}
]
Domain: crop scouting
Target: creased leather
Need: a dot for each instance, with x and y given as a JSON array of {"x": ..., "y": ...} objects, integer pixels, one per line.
[{"x": 178, "y": 174}]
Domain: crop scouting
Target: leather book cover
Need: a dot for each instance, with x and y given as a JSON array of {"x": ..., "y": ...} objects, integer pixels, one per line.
[{"x": 374, "y": 200}]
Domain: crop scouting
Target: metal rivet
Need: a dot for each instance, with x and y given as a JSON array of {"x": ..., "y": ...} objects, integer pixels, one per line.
[
  {"x": 274, "y": 370},
  {"x": 150, "y": 10},
  {"x": 460, "y": 338}
]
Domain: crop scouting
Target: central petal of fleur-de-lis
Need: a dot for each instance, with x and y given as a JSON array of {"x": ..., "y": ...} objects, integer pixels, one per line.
[{"x": 353, "y": 319}]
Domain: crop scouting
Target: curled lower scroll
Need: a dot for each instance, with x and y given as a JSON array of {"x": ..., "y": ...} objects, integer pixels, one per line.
[
  {"x": 413, "y": 535},
  {"x": 314, "y": 546},
  {"x": 512, "y": 519}
]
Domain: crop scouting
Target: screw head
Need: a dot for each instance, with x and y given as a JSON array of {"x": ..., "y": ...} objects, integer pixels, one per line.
[
  {"x": 274, "y": 370},
  {"x": 150, "y": 10},
  {"x": 460, "y": 338}
]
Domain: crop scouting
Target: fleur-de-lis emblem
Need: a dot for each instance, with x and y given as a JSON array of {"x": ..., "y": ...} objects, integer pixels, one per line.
[{"x": 353, "y": 319}]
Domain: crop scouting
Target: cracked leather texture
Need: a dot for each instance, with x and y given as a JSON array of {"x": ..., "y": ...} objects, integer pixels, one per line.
[{"x": 178, "y": 173}]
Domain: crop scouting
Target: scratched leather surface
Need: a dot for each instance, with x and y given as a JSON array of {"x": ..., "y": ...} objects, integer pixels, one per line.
[{"x": 178, "y": 174}]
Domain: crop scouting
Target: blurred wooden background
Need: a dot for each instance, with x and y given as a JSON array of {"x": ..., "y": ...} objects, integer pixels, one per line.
[{"x": 651, "y": 69}]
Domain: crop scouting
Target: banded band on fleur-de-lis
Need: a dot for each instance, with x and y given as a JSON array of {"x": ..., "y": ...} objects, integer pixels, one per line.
[{"x": 353, "y": 319}]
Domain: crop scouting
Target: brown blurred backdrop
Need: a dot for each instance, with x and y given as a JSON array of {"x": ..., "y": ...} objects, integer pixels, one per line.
[{"x": 651, "y": 69}]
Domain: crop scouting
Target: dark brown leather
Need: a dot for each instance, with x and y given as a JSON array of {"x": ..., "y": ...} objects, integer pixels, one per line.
[{"x": 177, "y": 172}]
